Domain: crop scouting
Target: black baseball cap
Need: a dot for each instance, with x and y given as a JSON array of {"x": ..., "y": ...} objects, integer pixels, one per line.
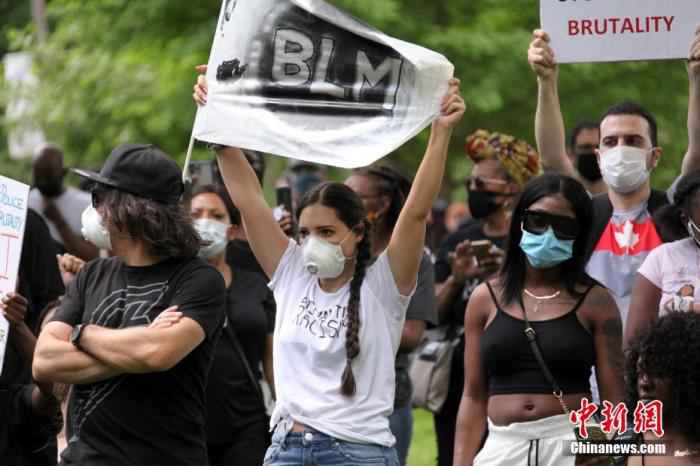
[{"x": 142, "y": 170}]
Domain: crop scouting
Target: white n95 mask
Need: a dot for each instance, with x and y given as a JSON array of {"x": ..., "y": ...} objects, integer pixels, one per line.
[
  {"x": 93, "y": 229},
  {"x": 213, "y": 233},
  {"x": 321, "y": 258},
  {"x": 624, "y": 168}
]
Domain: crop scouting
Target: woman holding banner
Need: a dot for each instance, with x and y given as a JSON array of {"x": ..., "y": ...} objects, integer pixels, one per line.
[{"x": 339, "y": 320}]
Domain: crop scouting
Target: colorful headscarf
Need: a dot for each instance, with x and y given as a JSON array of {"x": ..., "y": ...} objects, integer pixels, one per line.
[{"x": 520, "y": 160}]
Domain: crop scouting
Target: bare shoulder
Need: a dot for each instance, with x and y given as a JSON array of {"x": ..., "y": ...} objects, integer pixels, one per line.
[
  {"x": 600, "y": 309},
  {"x": 481, "y": 304}
]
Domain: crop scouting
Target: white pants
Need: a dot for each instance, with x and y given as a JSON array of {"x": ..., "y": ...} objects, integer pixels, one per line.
[{"x": 544, "y": 442}]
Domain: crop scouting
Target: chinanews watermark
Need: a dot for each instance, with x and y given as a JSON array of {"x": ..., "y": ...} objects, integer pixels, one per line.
[{"x": 604, "y": 435}]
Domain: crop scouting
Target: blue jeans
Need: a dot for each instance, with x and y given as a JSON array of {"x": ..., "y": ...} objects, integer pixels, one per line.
[
  {"x": 401, "y": 424},
  {"x": 312, "y": 448}
]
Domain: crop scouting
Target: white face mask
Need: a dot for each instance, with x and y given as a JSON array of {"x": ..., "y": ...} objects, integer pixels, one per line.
[
  {"x": 624, "y": 168},
  {"x": 693, "y": 231},
  {"x": 321, "y": 258},
  {"x": 93, "y": 229},
  {"x": 214, "y": 233}
]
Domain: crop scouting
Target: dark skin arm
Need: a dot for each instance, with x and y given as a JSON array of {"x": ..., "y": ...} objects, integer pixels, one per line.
[
  {"x": 604, "y": 318},
  {"x": 644, "y": 309},
  {"x": 471, "y": 418},
  {"x": 73, "y": 243}
]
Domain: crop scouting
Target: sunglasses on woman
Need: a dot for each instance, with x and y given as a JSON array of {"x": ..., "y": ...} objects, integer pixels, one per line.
[{"x": 537, "y": 223}]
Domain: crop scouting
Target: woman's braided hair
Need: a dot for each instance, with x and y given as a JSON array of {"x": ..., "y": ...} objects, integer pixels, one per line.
[{"x": 350, "y": 210}]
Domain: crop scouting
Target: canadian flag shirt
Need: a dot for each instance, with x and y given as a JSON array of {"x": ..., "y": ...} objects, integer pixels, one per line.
[{"x": 624, "y": 244}]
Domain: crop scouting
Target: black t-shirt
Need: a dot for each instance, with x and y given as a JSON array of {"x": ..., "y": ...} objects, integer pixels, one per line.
[
  {"x": 233, "y": 401},
  {"x": 39, "y": 277},
  {"x": 143, "y": 419},
  {"x": 26, "y": 438},
  {"x": 472, "y": 231},
  {"x": 240, "y": 255}
]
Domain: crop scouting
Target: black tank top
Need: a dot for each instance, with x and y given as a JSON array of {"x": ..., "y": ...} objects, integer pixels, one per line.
[{"x": 567, "y": 348}]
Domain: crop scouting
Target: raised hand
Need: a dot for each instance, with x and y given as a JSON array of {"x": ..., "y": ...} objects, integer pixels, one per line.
[
  {"x": 694, "y": 57},
  {"x": 200, "y": 88},
  {"x": 541, "y": 56},
  {"x": 14, "y": 308},
  {"x": 452, "y": 107}
]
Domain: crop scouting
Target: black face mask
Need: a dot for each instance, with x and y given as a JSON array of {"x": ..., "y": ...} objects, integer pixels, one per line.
[
  {"x": 482, "y": 203},
  {"x": 587, "y": 166},
  {"x": 52, "y": 189}
]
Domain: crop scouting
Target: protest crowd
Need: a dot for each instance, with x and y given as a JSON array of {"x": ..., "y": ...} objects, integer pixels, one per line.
[{"x": 162, "y": 321}]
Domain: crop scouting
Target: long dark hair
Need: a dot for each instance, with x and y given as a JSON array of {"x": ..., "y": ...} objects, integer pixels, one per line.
[
  {"x": 573, "y": 272},
  {"x": 166, "y": 229},
  {"x": 669, "y": 219},
  {"x": 392, "y": 184},
  {"x": 349, "y": 209}
]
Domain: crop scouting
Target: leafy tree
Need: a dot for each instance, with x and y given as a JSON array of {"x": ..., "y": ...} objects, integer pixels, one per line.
[{"x": 118, "y": 70}]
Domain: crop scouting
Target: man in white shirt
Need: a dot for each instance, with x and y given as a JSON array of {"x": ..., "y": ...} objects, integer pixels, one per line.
[{"x": 60, "y": 206}]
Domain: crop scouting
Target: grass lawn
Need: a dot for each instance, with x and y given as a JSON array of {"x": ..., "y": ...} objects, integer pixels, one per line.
[{"x": 423, "y": 450}]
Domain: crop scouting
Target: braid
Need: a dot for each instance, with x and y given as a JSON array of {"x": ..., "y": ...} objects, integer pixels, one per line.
[{"x": 352, "y": 333}]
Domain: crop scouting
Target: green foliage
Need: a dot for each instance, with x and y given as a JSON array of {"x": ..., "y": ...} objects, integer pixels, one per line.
[{"x": 118, "y": 70}]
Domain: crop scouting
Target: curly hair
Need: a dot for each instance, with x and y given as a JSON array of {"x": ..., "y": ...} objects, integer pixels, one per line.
[
  {"x": 671, "y": 349},
  {"x": 166, "y": 229},
  {"x": 349, "y": 209}
]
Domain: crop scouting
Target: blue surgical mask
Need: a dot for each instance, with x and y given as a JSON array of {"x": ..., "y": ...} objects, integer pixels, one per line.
[{"x": 546, "y": 250}]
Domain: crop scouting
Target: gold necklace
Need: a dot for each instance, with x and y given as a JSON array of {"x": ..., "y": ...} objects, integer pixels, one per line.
[{"x": 540, "y": 298}]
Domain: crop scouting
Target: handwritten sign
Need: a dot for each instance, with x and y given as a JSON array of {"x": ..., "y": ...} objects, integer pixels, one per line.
[
  {"x": 13, "y": 216},
  {"x": 619, "y": 30},
  {"x": 302, "y": 79}
]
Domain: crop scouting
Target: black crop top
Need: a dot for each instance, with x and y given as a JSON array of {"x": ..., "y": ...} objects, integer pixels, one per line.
[{"x": 511, "y": 368}]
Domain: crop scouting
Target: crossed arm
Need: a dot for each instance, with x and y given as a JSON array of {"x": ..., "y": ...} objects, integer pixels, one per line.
[{"x": 106, "y": 352}]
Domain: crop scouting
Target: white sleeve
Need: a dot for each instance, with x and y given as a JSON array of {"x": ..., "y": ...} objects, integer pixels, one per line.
[
  {"x": 380, "y": 280},
  {"x": 652, "y": 267},
  {"x": 290, "y": 267}
]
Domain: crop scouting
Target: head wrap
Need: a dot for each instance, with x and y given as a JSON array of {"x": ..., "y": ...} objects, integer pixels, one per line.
[{"x": 517, "y": 157}]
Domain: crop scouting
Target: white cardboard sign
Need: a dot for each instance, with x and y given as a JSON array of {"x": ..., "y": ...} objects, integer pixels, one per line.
[
  {"x": 13, "y": 216},
  {"x": 619, "y": 30},
  {"x": 302, "y": 79}
]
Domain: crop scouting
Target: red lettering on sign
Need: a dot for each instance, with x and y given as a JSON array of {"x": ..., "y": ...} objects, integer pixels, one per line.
[{"x": 629, "y": 25}]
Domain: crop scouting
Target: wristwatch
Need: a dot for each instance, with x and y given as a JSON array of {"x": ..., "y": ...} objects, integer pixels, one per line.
[{"x": 76, "y": 334}]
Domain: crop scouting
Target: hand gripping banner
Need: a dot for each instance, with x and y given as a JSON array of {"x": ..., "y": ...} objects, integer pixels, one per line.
[{"x": 302, "y": 79}]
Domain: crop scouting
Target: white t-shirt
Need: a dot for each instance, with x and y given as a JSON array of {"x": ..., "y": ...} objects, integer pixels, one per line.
[
  {"x": 675, "y": 269},
  {"x": 310, "y": 356},
  {"x": 71, "y": 204}
]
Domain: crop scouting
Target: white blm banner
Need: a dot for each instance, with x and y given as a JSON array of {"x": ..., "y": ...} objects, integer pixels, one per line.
[
  {"x": 302, "y": 79},
  {"x": 619, "y": 30}
]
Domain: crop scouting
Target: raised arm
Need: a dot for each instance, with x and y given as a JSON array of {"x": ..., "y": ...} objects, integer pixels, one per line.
[
  {"x": 58, "y": 360},
  {"x": 471, "y": 417},
  {"x": 549, "y": 123},
  {"x": 406, "y": 245},
  {"x": 265, "y": 236},
  {"x": 691, "y": 161}
]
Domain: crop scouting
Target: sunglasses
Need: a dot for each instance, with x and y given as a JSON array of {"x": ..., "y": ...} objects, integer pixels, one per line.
[
  {"x": 537, "y": 223},
  {"x": 479, "y": 183}
]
